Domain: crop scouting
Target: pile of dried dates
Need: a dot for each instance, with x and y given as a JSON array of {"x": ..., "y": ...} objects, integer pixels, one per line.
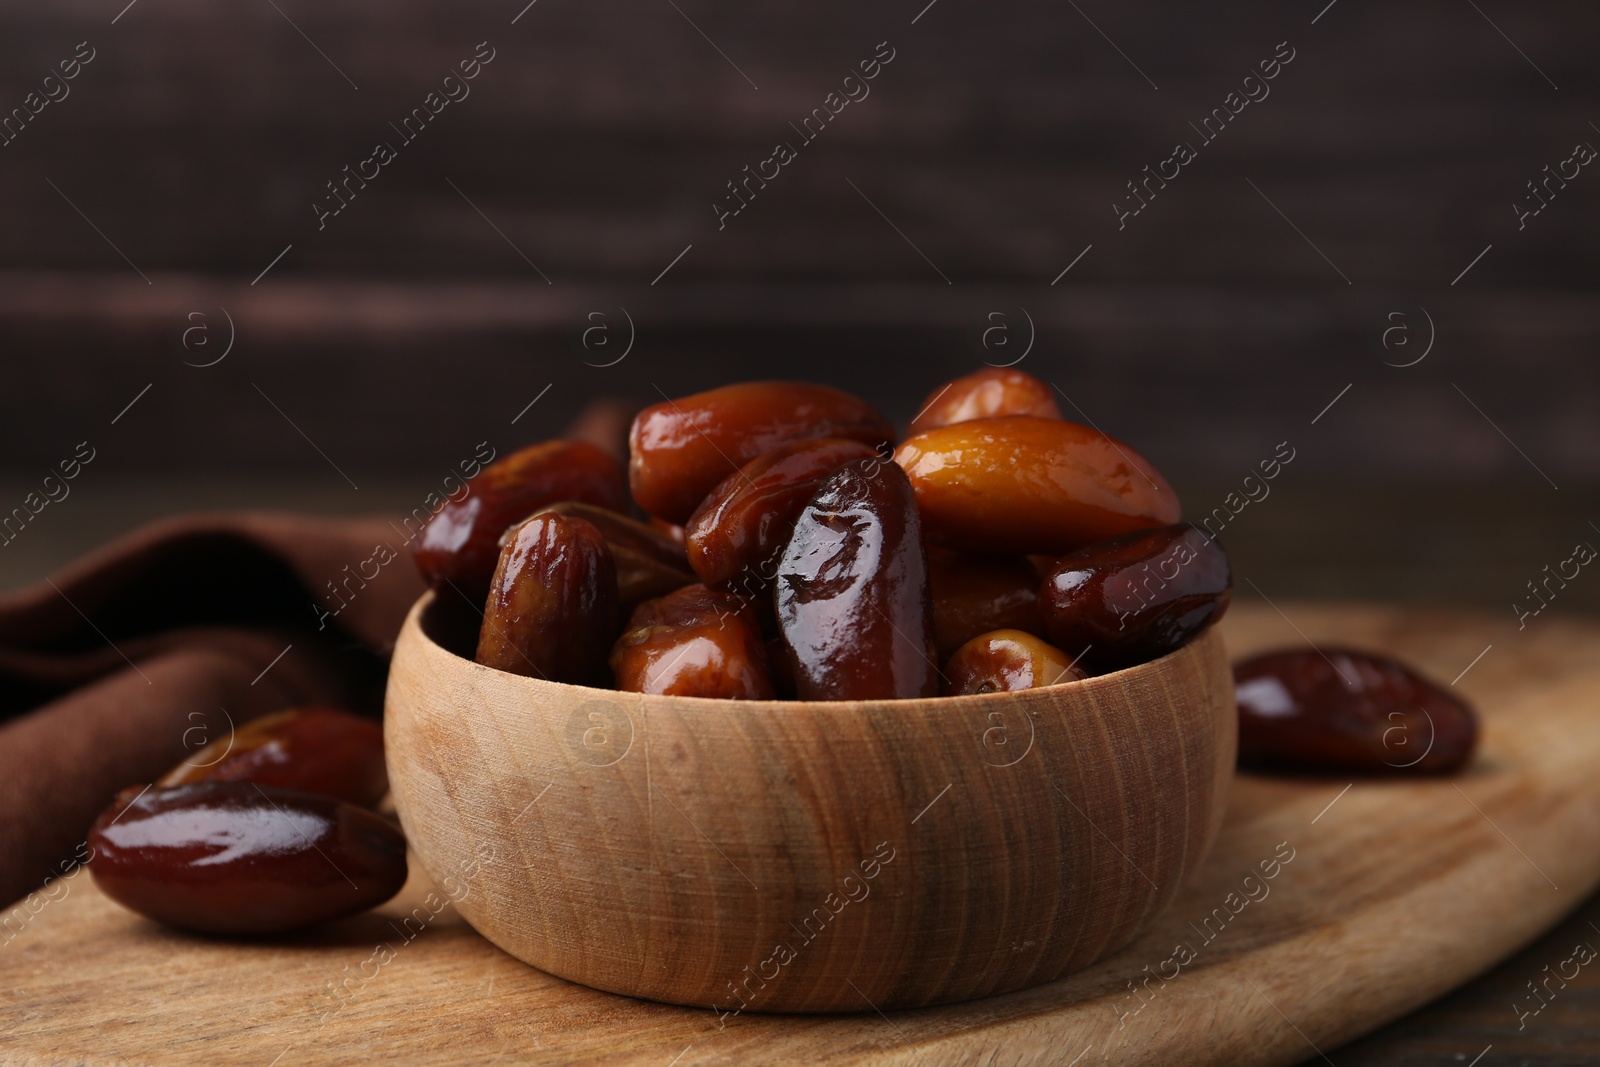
[
  {"x": 772, "y": 540},
  {"x": 267, "y": 830},
  {"x": 768, "y": 540}
]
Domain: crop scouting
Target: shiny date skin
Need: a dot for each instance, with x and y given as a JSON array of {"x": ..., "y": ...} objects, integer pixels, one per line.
[
  {"x": 736, "y": 534},
  {"x": 852, "y": 591},
  {"x": 975, "y": 594},
  {"x": 1133, "y": 599},
  {"x": 681, "y": 449},
  {"x": 552, "y": 607},
  {"x": 242, "y": 858},
  {"x": 1004, "y": 661},
  {"x": 986, "y": 394},
  {"x": 649, "y": 563},
  {"x": 1348, "y": 711},
  {"x": 1031, "y": 485},
  {"x": 460, "y": 545},
  {"x": 694, "y": 642},
  {"x": 311, "y": 750}
]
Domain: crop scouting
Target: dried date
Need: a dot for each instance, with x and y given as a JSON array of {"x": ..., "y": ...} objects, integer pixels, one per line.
[
  {"x": 241, "y": 858},
  {"x": 552, "y": 608},
  {"x": 649, "y": 563},
  {"x": 460, "y": 544},
  {"x": 1007, "y": 660},
  {"x": 852, "y": 591},
  {"x": 1030, "y": 485},
  {"x": 986, "y": 394},
  {"x": 1136, "y": 598},
  {"x": 311, "y": 750},
  {"x": 696, "y": 642},
  {"x": 681, "y": 449},
  {"x": 1341, "y": 710},
  {"x": 975, "y": 594},
  {"x": 736, "y": 534}
]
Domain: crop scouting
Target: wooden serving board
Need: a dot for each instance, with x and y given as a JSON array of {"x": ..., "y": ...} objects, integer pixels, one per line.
[{"x": 1384, "y": 895}]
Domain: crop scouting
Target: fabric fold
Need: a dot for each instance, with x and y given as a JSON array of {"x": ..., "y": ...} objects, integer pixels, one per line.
[{"x": 116, "y": 668}]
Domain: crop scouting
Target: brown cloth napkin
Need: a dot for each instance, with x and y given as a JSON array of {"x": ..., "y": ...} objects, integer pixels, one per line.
[{"x": 117, "y": 668}]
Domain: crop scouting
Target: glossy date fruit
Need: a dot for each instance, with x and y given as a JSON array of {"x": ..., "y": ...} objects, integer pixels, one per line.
[
  {"x": 986, "y": 394},
  {"x": 852, "y": 591},
  {"x": 735, "y": 536},
  {"x": 552, "y": 608},
  {"x": 681, "y": 449},
  {"x": 1006, "y": 660},
  {"x": 312, "y": 750},
  {"x": 1348, "y": 711},
  {"x": 975, "y": 594},
  {"x": 695, "y": 642},
  {"x": 648, "y": 562},
  {"x": 1030, "y": 485},
  {"x": 240, "y": 858},
  {"x": 1135, "y": 598},
  {"x": 460, "y": 545}
]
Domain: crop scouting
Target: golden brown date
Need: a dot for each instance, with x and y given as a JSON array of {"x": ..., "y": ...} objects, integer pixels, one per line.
[
  {"x": 1135, "y": 598},
  {"x": 1006, "y": 660},
  {"x": 1341, "y": 710},
  {"x": 552, "y": 608},
  {"x": 975, "y": 594},
  {"x": 735, "y": 536},
  {"x": 852, "y": 591},
  {"x": 695, "y": 642},
  {"x": 242, "y": 858},
  {"x": 648, "y": 562},
  {"x": 680, "y": 449},
  {"x": 1031, "y": 485},
  {"x": 460, "y": 544},
  {"x": 312, "y": 750},
  {"x": 986, "y": 394}
]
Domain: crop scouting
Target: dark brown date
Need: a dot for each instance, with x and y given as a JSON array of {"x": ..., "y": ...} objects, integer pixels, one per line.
[
  {"x": 1030, "y": 485},
  {"x": 852, "y": 591},
  {"x": 241, "y": 858},
  {"x": 679, "y": 450},
  {"x": 670, "y": 530},
  {"x": 312, "y": 750},
  {"x": 1347, "y": 711},
  {"x": 975, "y": 594},
  {"x": 986, "y": 394},
  {"x": 1006, "y": 660},
  {"x": 648, "y": 562},
  {"x": 735, "y": 536},
  {"x": 552, "y": 608},
  {"x": 695, "y": 642},
  {"x": 1136, "y": 598},
  {"x": 460, "y": 544}
]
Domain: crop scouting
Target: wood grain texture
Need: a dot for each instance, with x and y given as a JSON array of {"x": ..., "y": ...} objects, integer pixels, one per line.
[
  {"x": 787, "y": 856},
  {"x": 1396, "y": 892},
  {"x": 997, "y": 140}
]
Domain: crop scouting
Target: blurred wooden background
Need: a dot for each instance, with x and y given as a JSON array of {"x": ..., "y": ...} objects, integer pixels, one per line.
[
  {"x": 593, "y": 146},
  {"x": 561, "y": 215}
]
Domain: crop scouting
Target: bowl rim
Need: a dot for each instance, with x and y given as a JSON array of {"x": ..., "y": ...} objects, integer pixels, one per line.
[{"x": 1194, "y": 646}]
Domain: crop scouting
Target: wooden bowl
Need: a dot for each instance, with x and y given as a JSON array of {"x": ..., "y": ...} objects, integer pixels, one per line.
[{"x": 806, "y": 856}]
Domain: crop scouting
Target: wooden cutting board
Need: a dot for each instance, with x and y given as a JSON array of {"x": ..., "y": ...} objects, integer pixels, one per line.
[{"x": 1385, "y": 894}]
